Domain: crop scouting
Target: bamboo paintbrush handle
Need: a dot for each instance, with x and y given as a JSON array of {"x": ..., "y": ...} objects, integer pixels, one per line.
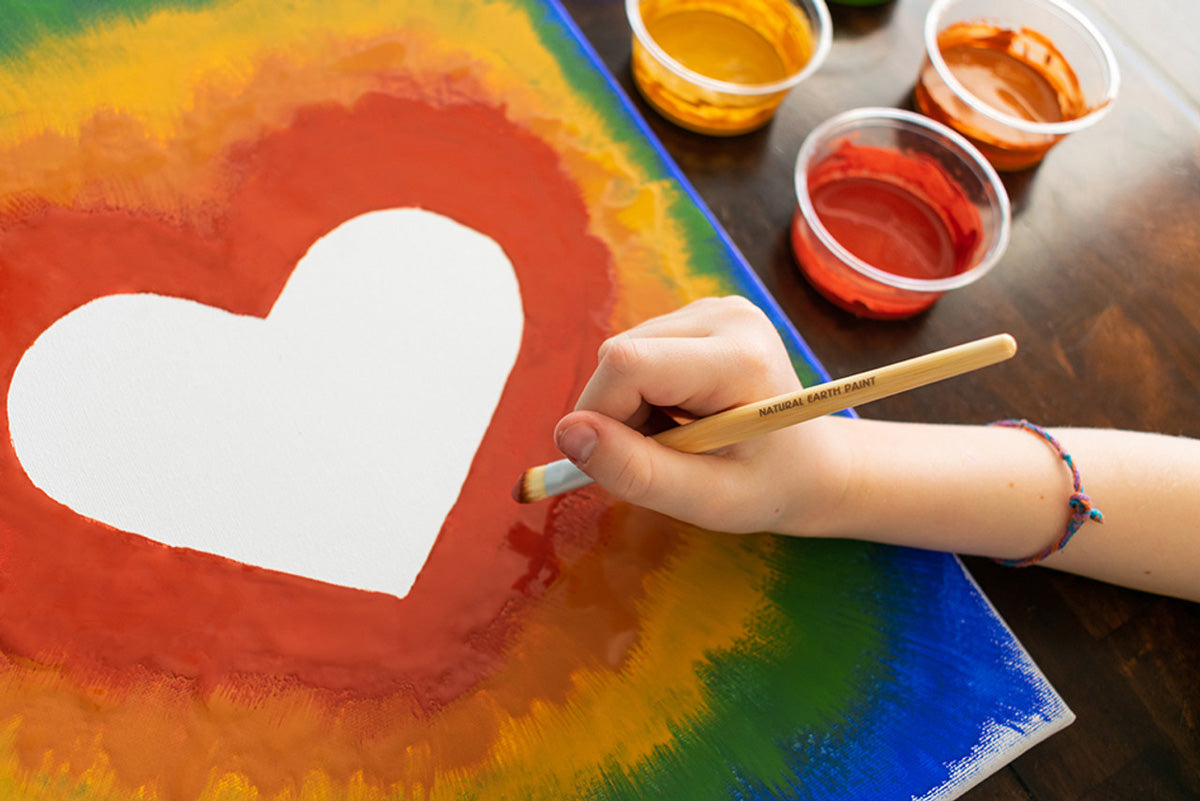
[{"x": 772, "y": 414}]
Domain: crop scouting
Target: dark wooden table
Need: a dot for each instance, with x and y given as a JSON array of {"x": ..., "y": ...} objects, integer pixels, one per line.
[{"x": 1101, "y": 288}]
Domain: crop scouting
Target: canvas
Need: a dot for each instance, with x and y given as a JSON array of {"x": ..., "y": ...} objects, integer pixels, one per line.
[{"x": 290, "y": 294}]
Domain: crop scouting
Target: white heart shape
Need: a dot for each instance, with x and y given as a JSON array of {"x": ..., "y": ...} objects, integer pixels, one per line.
[{"x": 329, "y": 440}]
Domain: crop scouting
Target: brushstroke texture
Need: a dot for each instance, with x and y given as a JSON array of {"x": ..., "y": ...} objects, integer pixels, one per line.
[{"x": 576, "y": 648}]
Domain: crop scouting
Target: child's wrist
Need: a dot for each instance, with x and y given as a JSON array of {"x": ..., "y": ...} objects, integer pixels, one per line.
[{"x": 819, "y": 495}]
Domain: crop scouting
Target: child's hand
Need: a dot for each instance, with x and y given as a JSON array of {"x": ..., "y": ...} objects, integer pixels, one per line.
[
  {"x": 705, "y": 358},
  {"x": 962, "y": 488}
]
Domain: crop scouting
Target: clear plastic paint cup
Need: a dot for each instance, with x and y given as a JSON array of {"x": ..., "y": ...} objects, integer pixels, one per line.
[
  {"x": 1014, "y": 76},
  {"x": 893, "y": 211},
  {"x": 722, "y": 67}
]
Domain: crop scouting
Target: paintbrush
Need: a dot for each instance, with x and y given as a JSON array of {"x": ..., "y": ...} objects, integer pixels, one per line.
[{"x": 743, "y": 422}]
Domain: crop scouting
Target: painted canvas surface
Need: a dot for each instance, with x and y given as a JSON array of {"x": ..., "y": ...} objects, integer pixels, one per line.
[{"x": 290, "y": 293}]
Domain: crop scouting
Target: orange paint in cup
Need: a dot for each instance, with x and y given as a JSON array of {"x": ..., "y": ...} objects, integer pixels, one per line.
[{"x": 1014, "y": 77}]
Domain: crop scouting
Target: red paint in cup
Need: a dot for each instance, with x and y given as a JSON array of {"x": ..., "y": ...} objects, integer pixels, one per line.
[{"x": 894, "y": 210}]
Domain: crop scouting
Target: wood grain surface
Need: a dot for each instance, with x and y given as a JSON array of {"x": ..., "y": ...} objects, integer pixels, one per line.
[{"x": 1101, "y": 288}]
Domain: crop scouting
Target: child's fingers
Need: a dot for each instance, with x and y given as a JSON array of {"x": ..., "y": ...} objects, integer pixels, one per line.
[
  {"x": 700, "y": 318},
  {"x": 709, "y": 356},
  {"x": 702, "y": 376},
  {"x": 694, "y": 320}
]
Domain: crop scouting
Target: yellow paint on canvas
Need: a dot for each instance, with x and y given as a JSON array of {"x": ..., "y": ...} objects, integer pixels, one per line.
[
  {"x": 623, "y": 717},
  {"x": 152, "y": 69}
]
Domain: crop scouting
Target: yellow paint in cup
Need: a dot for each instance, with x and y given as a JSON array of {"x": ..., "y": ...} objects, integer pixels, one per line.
[{"x": 722, "y": 67}]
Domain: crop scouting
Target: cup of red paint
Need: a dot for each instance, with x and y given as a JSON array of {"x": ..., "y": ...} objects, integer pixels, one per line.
[
  {"x": 1014, "y": 76},
  {"x": 894, "y": 210}
]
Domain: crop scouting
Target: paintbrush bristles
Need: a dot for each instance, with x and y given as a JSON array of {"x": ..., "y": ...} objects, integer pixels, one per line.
[
  {"x": 538, "y": 483},
  {"x": 531, "y": 487},
  {"x": 744, "y": 422}
]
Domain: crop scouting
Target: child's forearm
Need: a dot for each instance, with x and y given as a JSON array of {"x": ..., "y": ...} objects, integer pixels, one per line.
[{"x": 1003, "y": 493}]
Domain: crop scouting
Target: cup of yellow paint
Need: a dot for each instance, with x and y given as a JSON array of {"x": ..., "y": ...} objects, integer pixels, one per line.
[
  {"x": 722, "y": 67},
  {"x": 1014, "y": 76}
]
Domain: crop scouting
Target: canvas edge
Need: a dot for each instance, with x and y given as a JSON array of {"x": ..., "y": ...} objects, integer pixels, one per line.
[{"x": 1054, "y": 716}]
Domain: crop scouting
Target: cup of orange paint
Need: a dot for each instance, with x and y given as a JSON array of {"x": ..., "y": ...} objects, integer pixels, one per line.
[
  {"x": 1014, "y": 76},
  {"x": 894, "y": 210},
  {"x": 722, "y": 67}
]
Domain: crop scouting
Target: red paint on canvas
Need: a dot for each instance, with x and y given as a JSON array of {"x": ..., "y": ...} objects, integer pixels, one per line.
[{"x": 123, "y": 605}]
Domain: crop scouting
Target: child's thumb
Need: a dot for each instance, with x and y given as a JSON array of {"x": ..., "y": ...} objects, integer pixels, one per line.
[{"x": 632, "y": 467}]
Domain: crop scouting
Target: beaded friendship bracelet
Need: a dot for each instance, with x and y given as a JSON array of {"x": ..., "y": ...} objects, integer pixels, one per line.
[{"x": 1081, "y": 505}]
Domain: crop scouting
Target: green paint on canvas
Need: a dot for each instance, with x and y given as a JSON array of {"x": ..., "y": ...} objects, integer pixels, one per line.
[{"x": 803, "y": 667}]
